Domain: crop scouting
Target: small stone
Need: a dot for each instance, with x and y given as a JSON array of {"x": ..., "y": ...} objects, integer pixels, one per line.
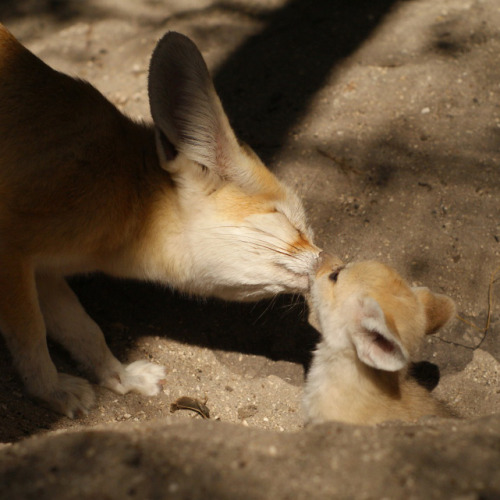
[{"x": 247, "y": 411}]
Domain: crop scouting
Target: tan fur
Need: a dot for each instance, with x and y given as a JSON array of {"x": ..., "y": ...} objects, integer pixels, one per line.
[
  {"x": 371, "y": 322},
  {"x": 84, "y": 188}
]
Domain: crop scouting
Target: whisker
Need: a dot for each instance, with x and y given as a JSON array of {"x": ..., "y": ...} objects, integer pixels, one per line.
[
  {"x": 263, "y": 244},
  {"x": 262, "y": 231},
  {"x": 269, "y": 306},
  {"x": 292, "y": 305},
  {"x": 278, "y": 246},
  {"x": 272, "y": 249},
  {"x": 278, "y": 238},
  {"x": 258, "y": 243}
]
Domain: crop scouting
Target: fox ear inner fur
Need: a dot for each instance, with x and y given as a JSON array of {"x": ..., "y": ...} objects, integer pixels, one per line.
[
  {"x": 375, "y": 344},
  {"x": 185, "y": 106}
]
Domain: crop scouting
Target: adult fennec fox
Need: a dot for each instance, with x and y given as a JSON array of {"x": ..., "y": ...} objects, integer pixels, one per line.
[{"x": 84, "y": 188}]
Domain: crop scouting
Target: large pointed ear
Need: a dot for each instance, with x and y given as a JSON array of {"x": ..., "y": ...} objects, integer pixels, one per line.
[
  {"x": 185, "y": 107},
  {"x": 439, "y": 309},
  {"x": 375, "y": 344}
]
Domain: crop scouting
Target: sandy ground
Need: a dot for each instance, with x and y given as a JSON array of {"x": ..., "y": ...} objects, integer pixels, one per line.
[{"x": 386, "y": 119}]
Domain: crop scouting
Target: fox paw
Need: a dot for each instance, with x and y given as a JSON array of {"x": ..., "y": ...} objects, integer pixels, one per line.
[
  {"x": 141, "y": 376},
  {"x": 71, "y": 396}
]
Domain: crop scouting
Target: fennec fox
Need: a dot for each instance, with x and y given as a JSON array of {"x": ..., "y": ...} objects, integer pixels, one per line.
[
  {"x": 371, "y": 322},
  {"x": 84, "y": 188}
]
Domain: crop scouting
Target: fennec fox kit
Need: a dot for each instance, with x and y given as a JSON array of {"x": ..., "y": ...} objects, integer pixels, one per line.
[
  {"x": 84, "y": 188},
  {"x": 371, "y": 321}
]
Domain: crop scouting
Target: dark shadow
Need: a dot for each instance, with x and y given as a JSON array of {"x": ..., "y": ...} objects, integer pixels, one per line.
[
  {"x": 388, "y": 156},
  {"x": 20, "y": 417},
  {"x": 453, "y": 37},
  {"x": 58, "y": 10},
  {"x": 426, "y": 374},
  {"x": 266, "y": 85},
  {"x": 277, "y": 329}
]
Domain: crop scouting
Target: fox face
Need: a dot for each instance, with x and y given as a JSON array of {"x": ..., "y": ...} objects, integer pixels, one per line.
[
  {"x": 239, "y": 241},
  {"x": 368, "y": 307}
]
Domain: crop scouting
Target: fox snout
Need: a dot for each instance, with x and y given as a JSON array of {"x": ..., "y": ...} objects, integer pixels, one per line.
[{"x": 326, "y": 263}]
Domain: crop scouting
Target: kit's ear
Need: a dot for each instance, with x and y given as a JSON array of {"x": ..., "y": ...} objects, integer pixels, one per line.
[
  {"x": 439, "y": 309},
  {"x": 375, "y": 344},
  {"x": 186, "y": 110}
]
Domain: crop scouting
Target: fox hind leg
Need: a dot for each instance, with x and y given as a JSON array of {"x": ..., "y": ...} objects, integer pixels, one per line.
[{"x": 22, "y": 325}]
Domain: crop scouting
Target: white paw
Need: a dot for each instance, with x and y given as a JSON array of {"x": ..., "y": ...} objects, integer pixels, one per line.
[
  {"x": 141, "y": 376},
  {"x": 72, "y": 396}
]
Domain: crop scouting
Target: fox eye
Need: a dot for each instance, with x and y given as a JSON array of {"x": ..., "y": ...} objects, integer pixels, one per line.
[{"x": 334, "y": 276}]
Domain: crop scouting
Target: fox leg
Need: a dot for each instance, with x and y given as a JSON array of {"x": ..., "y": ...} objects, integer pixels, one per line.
[
  {"x": 69, "y": 324},
  {"x": 22, "y": 325}
]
